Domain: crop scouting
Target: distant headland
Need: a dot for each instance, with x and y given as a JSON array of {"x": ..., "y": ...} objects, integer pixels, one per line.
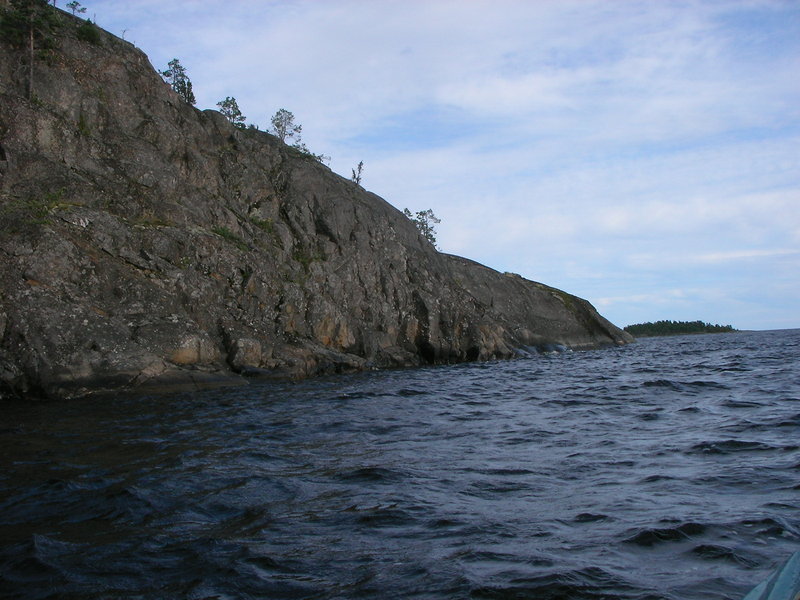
[{"x": 661, "y": 328}]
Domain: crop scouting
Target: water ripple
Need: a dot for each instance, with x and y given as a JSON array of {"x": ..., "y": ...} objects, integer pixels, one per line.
[{"x": 665, "y": 470}]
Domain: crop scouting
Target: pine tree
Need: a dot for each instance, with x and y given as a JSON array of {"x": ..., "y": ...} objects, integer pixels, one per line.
[
  {"x": 424, "y": 220},
  {"x": 283, "y": 126},
  {"x": 357, "y": 173},
  {"x": 176, "y": 77},
  {"x": 30, "y": 24},
  {"x": 75, "y": 7},
  {"x": 230, "y": 110}
]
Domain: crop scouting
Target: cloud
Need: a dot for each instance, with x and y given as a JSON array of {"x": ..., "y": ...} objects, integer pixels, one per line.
[
  {"x": 739, "y": 255},
  {"x": 662, "y": 298},
  {"x": 688, "y": 258}
]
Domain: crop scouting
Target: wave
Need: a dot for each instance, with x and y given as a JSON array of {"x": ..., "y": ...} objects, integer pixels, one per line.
[
  {"x": 36, "y": 555},
  {"x": 717, "y": 552},
  {"x": 657, "y": 477},
  {"x": 391, "y": 515},
  {"x": 683, "y": 386},
  {"x": 651, "y": 537},
  {"x": 408, "y": 392},
  {"x": 731, "y": 446},
  {"x": 541, "y": 349},
  {"x": 590, "y": 583},
  {"x": 506, "y": 471},
  {"x": 372, "y": 475},
  {"x": 590, "y": 518},
  {"x": 770, "y": 527},
  {"x": 741, "y": 404}
]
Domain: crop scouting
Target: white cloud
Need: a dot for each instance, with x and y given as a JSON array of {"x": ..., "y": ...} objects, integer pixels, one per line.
[
  {"x": 739, "y": 255},
  {"x": 662, "y": 297}
]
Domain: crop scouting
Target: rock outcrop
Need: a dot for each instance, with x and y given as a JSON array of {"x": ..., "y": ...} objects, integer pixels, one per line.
[{"x": 143, "y": 241}]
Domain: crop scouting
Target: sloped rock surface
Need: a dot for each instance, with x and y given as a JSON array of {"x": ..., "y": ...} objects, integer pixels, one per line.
[{"x": 144, "y": 242}]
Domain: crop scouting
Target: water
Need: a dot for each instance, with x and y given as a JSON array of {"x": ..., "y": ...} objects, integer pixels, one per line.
[{"x": 668, "y": 469}]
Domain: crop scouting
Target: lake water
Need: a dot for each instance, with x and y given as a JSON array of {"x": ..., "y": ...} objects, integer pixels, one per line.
[{"x": 667, "y": 469}]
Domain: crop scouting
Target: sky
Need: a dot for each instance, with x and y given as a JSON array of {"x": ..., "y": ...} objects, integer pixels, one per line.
[{"x": 641, "y": 154}]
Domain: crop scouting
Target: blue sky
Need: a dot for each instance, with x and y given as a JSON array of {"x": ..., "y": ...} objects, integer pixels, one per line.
[{"x": 644, "y": 155}]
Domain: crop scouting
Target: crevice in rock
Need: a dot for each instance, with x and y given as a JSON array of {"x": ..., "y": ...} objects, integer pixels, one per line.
[{"x": 426, "y": 350}]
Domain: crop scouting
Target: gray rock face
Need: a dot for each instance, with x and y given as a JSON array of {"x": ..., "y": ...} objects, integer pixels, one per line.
[{"x": 145, "y": 242}]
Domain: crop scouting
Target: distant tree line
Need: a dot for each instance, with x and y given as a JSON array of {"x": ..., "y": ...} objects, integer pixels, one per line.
[{"x": 660, "y": 328}]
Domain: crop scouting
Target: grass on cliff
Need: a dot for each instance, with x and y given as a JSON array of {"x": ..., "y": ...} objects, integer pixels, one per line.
[
  {"x": 18, "y": 213},
  {"x": 231, "y": 237}
]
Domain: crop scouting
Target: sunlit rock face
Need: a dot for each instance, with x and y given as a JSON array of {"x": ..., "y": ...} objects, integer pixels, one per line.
[{"x": 144, "y": 242}]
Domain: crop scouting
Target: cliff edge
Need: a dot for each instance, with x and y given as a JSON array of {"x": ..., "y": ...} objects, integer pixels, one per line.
[{"x": 145, "y": 242}]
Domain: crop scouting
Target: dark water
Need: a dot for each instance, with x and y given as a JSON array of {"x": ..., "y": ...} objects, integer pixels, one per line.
[{"x": 666, "y": 469}]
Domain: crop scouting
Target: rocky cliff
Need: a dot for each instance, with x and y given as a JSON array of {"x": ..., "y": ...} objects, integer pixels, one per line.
[{"x": 143, "y": 241}]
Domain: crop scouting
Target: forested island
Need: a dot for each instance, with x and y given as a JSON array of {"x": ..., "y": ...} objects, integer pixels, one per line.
[{"x": 660, "y": 328}]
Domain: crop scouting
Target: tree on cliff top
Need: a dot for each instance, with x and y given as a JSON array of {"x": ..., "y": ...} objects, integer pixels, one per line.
[
  {"x": 75, "y": 7},
  {"x": 29, "y": 24},
  {"x": 357, "y": 173},
  {"x": 230, "y": 110},
  {"x": 424, "y": 220},
  {"x": 176, "y": 77},
  {"x": 283, "y": 126}
]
